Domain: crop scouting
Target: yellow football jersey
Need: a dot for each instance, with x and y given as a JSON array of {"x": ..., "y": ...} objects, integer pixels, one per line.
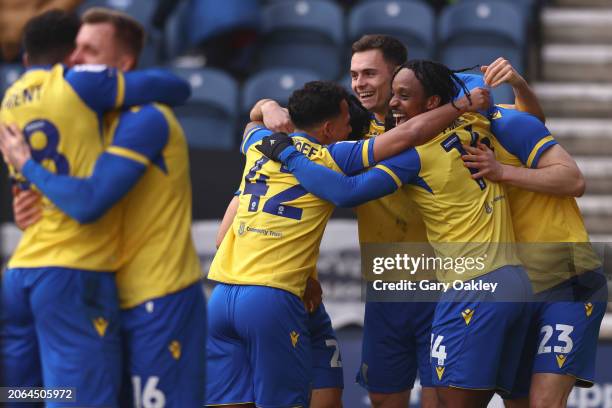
[
  {"x": 554, "y": 243},
  {"x": 274, "y": 239},
  {"x": 61, "y": 124},
  {"x": 393, "y": 218},
  {"x": 158, "y": 256},
  {"x": 465, "y": 218}
]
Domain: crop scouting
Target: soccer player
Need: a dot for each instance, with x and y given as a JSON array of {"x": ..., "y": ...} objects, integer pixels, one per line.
[
  {"x": 60, "y": 312},
  {"x": 143, "y": 174},
  {"x": 474, "y": 343},
  {"x": 542, "y": 180},
  {"x": 258, "y": 324},
  {"x": 391, "y": 371}
]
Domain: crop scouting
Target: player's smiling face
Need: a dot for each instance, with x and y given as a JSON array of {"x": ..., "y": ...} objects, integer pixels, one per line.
[
  {"x": 96, "y": 44},
  {"x": 371, "y": 80},
  {"x": 409, "y": 98}
]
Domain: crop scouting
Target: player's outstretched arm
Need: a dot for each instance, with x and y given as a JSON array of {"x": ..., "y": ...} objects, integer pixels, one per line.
[
  {"x": 139, "y": 137},
  {"x": 501, "y": 71},
  {"x": 349, "y": 191},
  {"x": 424, "y": 127},
  {"x": 104, "y": 89},
  {"x": 556, "y": 172}
]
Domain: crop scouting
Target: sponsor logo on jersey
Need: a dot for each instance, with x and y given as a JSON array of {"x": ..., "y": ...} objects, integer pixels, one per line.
[
  {"x": 588, "y": 308},
  {"x": 175, "y": 349}
]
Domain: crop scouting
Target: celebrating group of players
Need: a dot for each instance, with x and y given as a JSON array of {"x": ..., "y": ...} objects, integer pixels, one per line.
[{"x": 103, "y": 293}]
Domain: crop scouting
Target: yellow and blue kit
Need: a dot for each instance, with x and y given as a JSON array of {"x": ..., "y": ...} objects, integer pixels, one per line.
[
  {"x": 144, "y": 175},
  {"x": 258, "y": 323},
  {"x": 464, "y": 218},
  {"x": 554, "y": 247},
  {"x": 396, "y": 335},
  {"x": 58, "y": 295}
]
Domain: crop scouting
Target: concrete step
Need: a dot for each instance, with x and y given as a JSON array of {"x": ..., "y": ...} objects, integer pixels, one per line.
[
  {"x": 571, "y": 62},
  {"x": 596, "y": 172},
  {"x": 584, "y": 3},
  {"x": 575, "y": 99},
  {"x": 582, "y": 25},
  {"x": 583, "y": 136},
  {"x": 597, "y": 213}
]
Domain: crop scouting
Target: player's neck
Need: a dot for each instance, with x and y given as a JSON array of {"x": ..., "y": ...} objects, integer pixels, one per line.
[{"x": 314, "y": 134}]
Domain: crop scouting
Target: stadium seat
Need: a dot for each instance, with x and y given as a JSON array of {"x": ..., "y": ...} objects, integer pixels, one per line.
[
  {"x": 302, "y": 34},
  {"x": 277, "y": 84},
  {"x": 209, "y": 117},
  {"x": 141, "y": 10},
  {"x": 9, "y": 74},
  {"x": 410, "y": 22},
  {"x": 526, "y": 7},
  {"x": 478, "y": 32}
]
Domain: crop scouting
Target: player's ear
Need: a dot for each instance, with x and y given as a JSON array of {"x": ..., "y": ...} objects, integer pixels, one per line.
[
  {"x": 433, "y": 102},
  {"x": 127, "y": 62}
]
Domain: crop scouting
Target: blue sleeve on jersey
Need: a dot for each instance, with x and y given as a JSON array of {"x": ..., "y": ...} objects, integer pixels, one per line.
[
  {"x": 353, "y": 156},
  {"x": 254, "y": 135},
  {"x": 87, "y": 199},
  {"x": 341, "y": 190},
  {"x": 143, "y": 130},
  {"x": 521, "y": 134},
  {"x": 99, "y": 86}
]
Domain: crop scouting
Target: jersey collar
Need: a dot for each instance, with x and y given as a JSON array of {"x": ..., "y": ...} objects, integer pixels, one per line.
[{"x": 305, "y": 136}]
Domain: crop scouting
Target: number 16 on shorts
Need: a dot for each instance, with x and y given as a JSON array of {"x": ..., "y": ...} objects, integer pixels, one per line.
[{"x": 147, "y": 395}]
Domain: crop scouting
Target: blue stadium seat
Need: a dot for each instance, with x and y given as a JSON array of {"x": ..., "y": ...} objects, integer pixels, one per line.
[
  {"x": 277, "y": 84},
  {"x": 141, "y": 10},
  {"x": 209, "y": 117},
  {"x": 9, "y": 74},
  {"x": 526, "y": 7},
  {"x": 479, "y": 32},
  {"x": 302, "y": 34},
  {"x": 410, "y": 22}
]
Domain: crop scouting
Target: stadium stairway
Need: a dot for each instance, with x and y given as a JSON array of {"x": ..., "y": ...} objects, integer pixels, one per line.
[{"x": 576, "y": 94}]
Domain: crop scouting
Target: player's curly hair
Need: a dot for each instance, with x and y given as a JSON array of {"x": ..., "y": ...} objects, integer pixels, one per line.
[
  {"x": 49, "y": 38},
  {"x": 315, "y": 103},
  {"x": 437, "y": 79}
]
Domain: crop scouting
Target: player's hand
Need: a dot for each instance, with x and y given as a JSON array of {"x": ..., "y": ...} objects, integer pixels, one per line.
[
  {"x": 479, "y": 100},
  {"x": 483, "y": 159},
  {"x": 13, "y": 145},
  {"x": 313, "y": 295},
  {"x": 276, "y": 118},
  {"x": 499, "y": 72},
  {"x": 273, "y": 145},
  {"x": 27, "y": 208}
]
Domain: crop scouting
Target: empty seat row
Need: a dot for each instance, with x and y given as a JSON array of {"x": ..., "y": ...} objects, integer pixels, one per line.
[{"x": 316, "y": 34}]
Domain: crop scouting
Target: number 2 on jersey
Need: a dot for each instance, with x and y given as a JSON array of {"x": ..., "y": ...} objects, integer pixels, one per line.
[{"x": 275, "y": 205}]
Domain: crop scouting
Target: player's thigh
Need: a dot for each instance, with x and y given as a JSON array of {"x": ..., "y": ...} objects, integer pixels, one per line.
[
  {"x": 389, "y": 357},
  {"x": 326, "y": 357},
  {"x": 464, "y": 398},
  {"x": 326, "y": 398},
  {"x": 166, "y": 348},
  {"x": 19, "y": 356},
  {"x": 568, "y": 339},
  {"x": 550, "y": 390},
  {"x": 78, "y": 327},
  {"x": 274, "y": 324},
  {"x": 390, "y": 400},
  {"x": 229, "y": 375}
]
